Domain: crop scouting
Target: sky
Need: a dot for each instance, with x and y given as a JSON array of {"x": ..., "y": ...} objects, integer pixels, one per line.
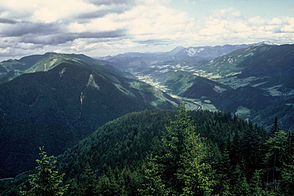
[{"x": 109, "y": 27}]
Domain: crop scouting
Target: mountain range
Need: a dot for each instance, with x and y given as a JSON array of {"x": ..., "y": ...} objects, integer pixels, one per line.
[
  {"x": 253, "y": 81},
  {"x": 57, "y": 99},
  {"x": 191, "y": 56}
]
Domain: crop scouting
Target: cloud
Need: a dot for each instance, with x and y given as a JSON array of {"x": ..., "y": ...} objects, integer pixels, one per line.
[
  {"x": 227, "y": 13},
  {"x": 104, "y": 27},
  {"x": 24, "y": 28},
  {"x": 111, "y": 2},
  {"x": 158, "y": 42},
  {"x": 99, "y": 14},
  {"x": 7, "y": 21},
  {"x": 60, "y": 38},
  {"x": 45, "y": 11},
  {"x": 103, "y": 10}
]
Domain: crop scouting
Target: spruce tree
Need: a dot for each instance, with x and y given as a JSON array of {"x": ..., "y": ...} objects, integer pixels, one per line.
[
  {"x": 276, "y": 154},
  {"x": 288, "y": 176},
  {"x": 177, "y": 164},
  {"x": 108, "y": 184},
  {"x": 239, "y": 181},
  {"x": 288, "y": 166},
  {"x": 275, "y": 127},
  {"x": 197, "y": 174},
  {"x": 46, "y": 181},
  {"x": 256, "y": 184},
  {"x": 153, "y": 183},
  {"x": 88, "y": 182}
]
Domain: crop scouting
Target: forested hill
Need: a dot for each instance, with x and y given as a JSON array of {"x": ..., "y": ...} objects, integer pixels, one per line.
[
  {"x": 261, "y": 81},
  {"x": 58, "y": 100},
  {"x": 150, "y": 152},
  {"x": 254, "y": 82},
  {"x": 129, "y": 138}
]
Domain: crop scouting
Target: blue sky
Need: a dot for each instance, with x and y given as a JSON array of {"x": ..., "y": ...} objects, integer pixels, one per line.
[
  {"x": 108, "y": 27},
  {"x": 249, "y": 8}
]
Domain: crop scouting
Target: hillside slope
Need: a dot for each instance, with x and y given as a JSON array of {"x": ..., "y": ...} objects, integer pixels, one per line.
[
  {"x": 260, "y": 80},
  {"x": 128, "y": 139},
  {"x": 116, "y": 151},
  {"x": 60, "y": 106},
  {"x": 256, "y": 82}
]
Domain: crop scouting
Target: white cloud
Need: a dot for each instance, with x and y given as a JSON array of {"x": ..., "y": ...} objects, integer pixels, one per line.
[
  {"x": 107, "y": 23},
  {"x": 228, "y": 13},
  {"x": 45, "y": 10},
  {"x": 150, "y": 25}
]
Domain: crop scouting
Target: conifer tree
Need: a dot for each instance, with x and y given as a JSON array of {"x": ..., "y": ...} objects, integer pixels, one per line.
[
  {"x": 288, "y": 166},
  {"x": 223, "y": 172},
  {"x": 256, "y": 184},
  {"x": 275, "y": 127},
  {"x": 89, "y": 181},
  {"x": 197, "y": 175},
  {"x": 288, "y": 176},
  {"x": 276, "y": 154},
  {"x": 46, "y": 181},
  {"x": 108, "y": 184},
  {"x": 152, "y": 183},
  {"x": 177, "y": 165},
  {"x": 240, "y": 185}
]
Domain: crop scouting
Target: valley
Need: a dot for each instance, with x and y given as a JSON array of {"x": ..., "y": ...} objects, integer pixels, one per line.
[
  {"x": 243, "y": 81},
  {"x": 190, "y": 104}
]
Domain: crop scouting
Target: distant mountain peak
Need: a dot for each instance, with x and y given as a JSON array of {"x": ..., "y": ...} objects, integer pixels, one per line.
[
  {"x": 193, "y": 51},
  {"x": 267, "y": 43},
  {"x": 176, "y": 50}
]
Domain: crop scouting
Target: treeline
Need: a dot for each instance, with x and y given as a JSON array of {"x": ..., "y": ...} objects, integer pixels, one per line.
[{"x": 187, "y": 153}]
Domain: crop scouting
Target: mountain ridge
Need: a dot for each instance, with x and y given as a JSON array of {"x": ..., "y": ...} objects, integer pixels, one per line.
[
  {"x": 265, "y": 69},
  {"x": 59, "y": 106}
]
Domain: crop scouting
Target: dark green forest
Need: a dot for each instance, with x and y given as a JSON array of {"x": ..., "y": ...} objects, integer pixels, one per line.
[
  {"x": 168, "y": 153},
  {"x": 58, "y": 110}
]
